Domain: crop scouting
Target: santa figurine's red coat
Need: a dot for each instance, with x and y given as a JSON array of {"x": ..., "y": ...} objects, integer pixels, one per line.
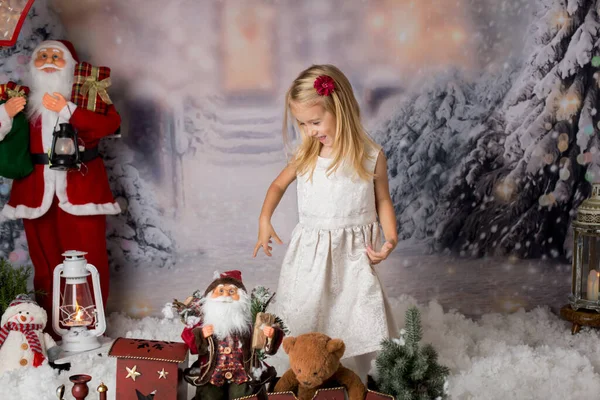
[
  {"x": 62, "y": 210},
  {"x": 79, "y": 193}
]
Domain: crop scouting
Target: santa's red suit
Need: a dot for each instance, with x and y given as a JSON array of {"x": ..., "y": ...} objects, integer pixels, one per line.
[{"x": 65, "y": 210}]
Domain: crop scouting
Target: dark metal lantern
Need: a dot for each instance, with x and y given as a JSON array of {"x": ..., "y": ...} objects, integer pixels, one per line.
[{"x": 64, "y": 154}]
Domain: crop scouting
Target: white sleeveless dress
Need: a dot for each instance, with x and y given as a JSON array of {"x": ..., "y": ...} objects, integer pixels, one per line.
[{"x": 327, "y": 284}]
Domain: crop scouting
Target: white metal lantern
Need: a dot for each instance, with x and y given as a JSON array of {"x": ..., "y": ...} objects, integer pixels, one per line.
[{"x": 75, "y": 310}]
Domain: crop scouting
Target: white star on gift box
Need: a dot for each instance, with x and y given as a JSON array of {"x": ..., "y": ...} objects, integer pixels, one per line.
[
  {"x": 132, "y": 373},
  {"x": 162, "y": 374}
]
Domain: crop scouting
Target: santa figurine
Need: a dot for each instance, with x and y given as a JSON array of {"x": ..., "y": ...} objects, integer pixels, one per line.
[
  {"x": 227, "y": 366},
  {"x": 22, "y": 341},
  {"x": 61, "y": 210}
]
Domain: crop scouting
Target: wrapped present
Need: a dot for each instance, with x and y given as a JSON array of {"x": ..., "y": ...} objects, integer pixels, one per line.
[
  {"x": 259, "y": 340},
  {"x": 11, "y": 89},
  {"x": 336, "y": 393},
  {"x": 146, "y": 366},
  {"x": 90, "y": 87}
]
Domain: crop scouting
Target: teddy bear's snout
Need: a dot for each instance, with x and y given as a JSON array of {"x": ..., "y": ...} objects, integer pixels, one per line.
[{"x": 310, "y": 381}]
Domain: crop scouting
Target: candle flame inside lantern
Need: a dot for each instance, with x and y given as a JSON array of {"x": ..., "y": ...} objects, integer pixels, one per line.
[{"x": 78, "y": 312}]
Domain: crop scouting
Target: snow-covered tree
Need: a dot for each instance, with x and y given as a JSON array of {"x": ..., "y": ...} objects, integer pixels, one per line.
[
  {"x": 428, "y": 141},
  {"x": 520, "y": 195},
  {"x": 137, "y": 236},
  {"x": 522, "y": 176}
]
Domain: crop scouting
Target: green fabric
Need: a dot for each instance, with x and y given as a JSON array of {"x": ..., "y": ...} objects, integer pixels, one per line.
[{"x": 15, "y": 160}]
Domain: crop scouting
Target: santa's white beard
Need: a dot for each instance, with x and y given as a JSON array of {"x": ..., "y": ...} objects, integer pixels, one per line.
[
  {"x": 41, "y": 82},
  {"x": 227, "y": 318}
]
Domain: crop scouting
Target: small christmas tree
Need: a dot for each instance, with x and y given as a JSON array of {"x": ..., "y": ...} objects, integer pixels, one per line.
[{"x": 408, "y": 371}]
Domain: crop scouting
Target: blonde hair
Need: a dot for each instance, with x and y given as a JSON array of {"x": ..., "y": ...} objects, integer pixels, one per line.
[{"x": 351, "y": 143}]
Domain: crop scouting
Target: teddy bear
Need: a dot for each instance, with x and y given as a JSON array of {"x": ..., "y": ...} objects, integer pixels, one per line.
[{"x": 314, "y": 364}]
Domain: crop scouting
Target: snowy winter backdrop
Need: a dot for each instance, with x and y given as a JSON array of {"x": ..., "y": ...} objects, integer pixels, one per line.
[
  {"x": 487, "y": 113},
  {"x": 485, "y": 110}
]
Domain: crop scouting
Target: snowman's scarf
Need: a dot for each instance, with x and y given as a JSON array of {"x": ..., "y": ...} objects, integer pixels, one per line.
[{"x": 29, "y": 330}]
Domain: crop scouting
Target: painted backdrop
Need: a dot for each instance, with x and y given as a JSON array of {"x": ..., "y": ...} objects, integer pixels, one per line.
[{"x": 485, "y": 110}]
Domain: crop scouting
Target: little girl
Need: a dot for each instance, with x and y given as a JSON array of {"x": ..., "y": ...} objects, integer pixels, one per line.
[{"x": 327, "y": 282}]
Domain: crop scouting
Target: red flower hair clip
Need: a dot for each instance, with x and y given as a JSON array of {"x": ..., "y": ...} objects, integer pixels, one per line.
[{"x": 324, "y": 85}]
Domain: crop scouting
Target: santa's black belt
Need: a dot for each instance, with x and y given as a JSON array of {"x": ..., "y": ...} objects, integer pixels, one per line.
[{"x": 85, "y": 156}]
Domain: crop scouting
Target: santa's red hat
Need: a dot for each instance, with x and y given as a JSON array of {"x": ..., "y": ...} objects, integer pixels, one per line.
[
  {"x": 64, "y": 45},
  {"x": 233, "y": 277}
]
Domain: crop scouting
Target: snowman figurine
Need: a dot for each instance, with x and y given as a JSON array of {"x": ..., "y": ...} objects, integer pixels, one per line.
[{"x": 22, "y": 340}]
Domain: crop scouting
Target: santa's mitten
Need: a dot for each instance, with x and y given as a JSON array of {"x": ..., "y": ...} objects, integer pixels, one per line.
[{"x": 38, "y": 359}]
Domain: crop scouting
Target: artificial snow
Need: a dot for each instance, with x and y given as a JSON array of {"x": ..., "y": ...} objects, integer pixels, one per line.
[{"x": 523, "y": 355}]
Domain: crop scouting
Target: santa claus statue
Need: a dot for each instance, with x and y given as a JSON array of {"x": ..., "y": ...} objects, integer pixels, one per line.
[
  {"x": 61, "y": 210},
  {"x": 228, "y": 367}
]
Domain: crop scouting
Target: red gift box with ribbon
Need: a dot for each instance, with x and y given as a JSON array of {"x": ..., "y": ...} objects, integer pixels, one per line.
[
  {"x": 11, "y": 89},
  {"x": 90, "y": 87}
]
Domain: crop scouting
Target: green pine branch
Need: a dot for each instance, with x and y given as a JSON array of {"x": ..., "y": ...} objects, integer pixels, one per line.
[
  {"x": 414, "y": 332},
  {"x": 13, "y": 281}
]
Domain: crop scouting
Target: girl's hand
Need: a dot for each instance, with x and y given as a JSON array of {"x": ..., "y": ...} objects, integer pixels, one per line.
[
  {"x": 377, "y": 257},
  {"x": 265, "y": 233}
]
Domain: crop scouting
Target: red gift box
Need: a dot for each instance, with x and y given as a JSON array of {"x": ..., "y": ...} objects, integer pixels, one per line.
[
  {"x": 90, "y": 87},
  {"x": 372, "y": 395},
  {"x": 148, "y": 366},
  {"x": 338, "y": 393},
  {"x": 11, "y": 89}
]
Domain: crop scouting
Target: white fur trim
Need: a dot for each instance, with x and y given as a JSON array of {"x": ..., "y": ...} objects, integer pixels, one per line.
[
  {"x": 91, "y": 208},
  {"x": 216, "y": 275},
  {"x": 67, "y": 111},
  {"x": 52, "y": 44},
  {"x": 56, "y": 182},
  {"x": 5, "y": 122},
  {"x": 81, "y": 209},
  {"x": 21, "y": 211}
]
